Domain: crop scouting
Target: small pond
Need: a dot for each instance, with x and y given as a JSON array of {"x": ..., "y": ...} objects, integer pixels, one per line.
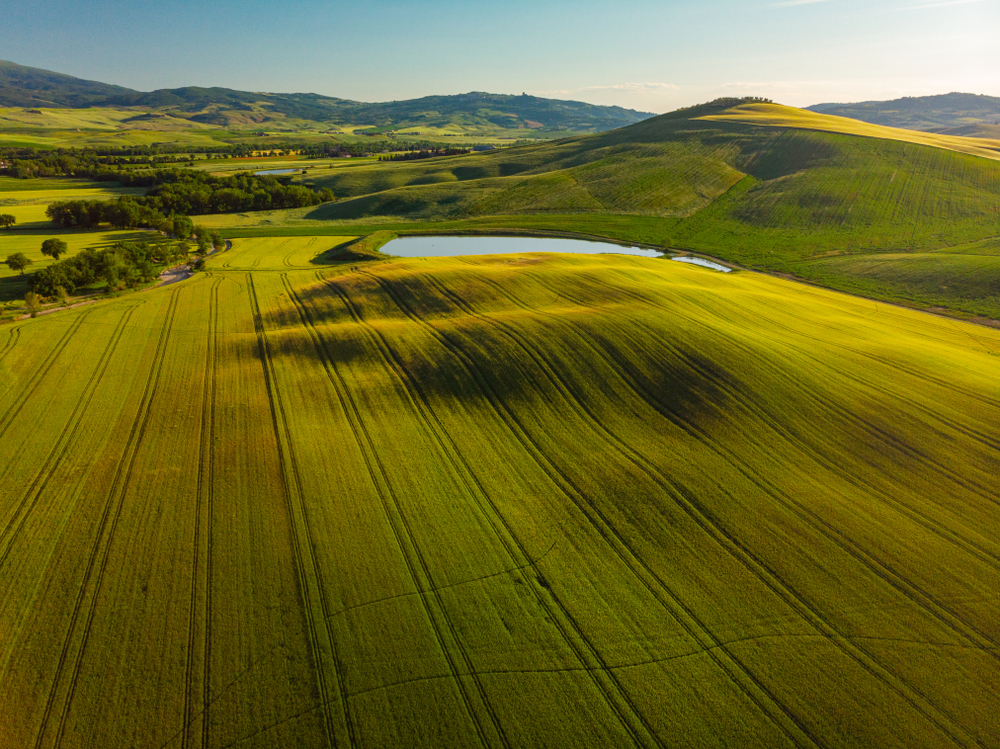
[
  {"x": 276, "y": 171},
  {"x": 451, "y": 246},
  {"x": 702, "y": 262}
]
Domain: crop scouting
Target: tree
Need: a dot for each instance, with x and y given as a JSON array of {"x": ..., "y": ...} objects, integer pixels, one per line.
[
  {"x": 54, "y": 248},
  {"x": 33, "y": 302},
  {"x": 7, "y": 221},
  {"x": 182, "y": 227},
  {"x": 18, "y": 261}
]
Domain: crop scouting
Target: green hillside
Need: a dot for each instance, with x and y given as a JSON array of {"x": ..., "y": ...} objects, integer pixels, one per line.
[
  {"x": 941, "y": 113},
  {"x": 21, "y": 86},
  {"x": 517, "y": 501},
  {"x": 773, "y": 197}
]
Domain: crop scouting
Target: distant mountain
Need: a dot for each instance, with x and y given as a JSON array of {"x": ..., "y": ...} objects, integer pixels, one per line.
[
  {"x": 956, "y": 114},
  {"x": 22, "y": 86}
]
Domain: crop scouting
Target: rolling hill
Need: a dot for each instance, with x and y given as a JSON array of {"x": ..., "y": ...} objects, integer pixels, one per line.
[
  {"x": 30, "y": 87},
  {"x": 769, "y": 187},
  {"x": 955, "y": 113},
  {"x": 534, "y": 501}
]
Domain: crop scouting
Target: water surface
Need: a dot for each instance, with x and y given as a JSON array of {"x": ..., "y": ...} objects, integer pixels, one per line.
[
  {"x": 452, "y": 246},
  {"x": 276, "y": 171},
  {"x": 702, "y": 262}
]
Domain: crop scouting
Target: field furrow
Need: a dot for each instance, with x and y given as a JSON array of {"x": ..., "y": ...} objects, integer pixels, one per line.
[
  {"x": 655, "y": 585},
  {"x": 583, "y": 649},
  {"x": 416, "y": 563},
  {"x": 576, "y": 401},
  {"x": 98, "y": 561}
]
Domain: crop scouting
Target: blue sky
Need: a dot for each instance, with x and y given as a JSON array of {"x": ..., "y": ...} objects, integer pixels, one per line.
[{"x": 654, "y": 56}]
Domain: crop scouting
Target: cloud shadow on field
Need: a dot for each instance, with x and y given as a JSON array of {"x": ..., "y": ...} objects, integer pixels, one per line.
[
  {"x": 673, "y": 377},
  {"x": 433, "y": 364}
]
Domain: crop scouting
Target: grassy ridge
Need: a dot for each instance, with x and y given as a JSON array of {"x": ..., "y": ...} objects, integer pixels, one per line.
[
  {"x": 774, "y": 115},
  {"x": 603, "y": 501}
]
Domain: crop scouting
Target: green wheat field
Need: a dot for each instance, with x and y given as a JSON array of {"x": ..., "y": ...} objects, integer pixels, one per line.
[{"x": 497, "y": 501}]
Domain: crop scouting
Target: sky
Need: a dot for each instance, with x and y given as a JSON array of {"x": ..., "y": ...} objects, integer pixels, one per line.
[{"x": 640, "y": 54}]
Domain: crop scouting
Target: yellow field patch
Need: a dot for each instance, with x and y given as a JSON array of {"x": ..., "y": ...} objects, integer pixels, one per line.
[{"x": 774, "y": 115}]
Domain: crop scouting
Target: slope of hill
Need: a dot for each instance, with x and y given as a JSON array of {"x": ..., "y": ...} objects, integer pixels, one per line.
[
  {"x": 30, "y": 87},
  {"x": 753, "y": 184},
  {"x": 529, "y": 502},
  {"x": 935, "y": 113},
  {"x": 21, "y": 86}
]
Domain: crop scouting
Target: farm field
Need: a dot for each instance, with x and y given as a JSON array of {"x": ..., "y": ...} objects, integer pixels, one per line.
[{"x": 508, "y": 501}]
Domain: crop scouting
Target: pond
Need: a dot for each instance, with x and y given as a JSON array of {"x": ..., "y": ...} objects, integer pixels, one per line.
[
  {"x": 276, "y": 171},
  {"x": 702, "y": 262},
  {"x": 452, "y": 246}
]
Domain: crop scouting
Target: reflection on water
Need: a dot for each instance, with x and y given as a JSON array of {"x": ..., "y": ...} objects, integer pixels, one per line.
[
  {"x": 452, "y": 246},
  {"x": 703, "y": 263}
]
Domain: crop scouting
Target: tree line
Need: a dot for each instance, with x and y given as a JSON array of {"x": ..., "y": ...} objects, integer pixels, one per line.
[
  {"x": 172, "y": 192},
  {"x": 425, "y": 154},
  {"x": 26, "y": 163}
]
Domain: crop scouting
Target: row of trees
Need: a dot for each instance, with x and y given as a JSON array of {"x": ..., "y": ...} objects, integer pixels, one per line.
[
  {"x": 425, "y": 154},
  {"x": 29, "y": 162},
  {"x": 124, "y": 213},
  {"x": 170, "y": 195},
  {"x": 71, "y": 274}
]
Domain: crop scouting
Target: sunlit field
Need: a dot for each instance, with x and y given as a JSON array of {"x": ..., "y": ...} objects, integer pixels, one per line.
[{"x": 511, "y": 501}]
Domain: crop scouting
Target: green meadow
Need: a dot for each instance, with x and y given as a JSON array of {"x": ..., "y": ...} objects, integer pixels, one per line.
[{"x": 498, "y": 501}]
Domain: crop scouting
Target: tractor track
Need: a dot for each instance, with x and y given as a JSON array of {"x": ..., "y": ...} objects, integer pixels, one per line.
[
  {"x": 292, "y": 490},
  {"x": 754, "y": 564},
  {"x": 109, "y": 521},
  {"x": 39, "y": 374},
  {"x": 402, "y": 532},
  {"x": 63, "y": 442},
  {"x": 750, "y": 685},
  {"x": 561, "y": 617},
  {"x": 919, "y": 597}
]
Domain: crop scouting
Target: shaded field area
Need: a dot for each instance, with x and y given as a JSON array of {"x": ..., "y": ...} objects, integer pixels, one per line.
[{"x": 505, "y": 501}]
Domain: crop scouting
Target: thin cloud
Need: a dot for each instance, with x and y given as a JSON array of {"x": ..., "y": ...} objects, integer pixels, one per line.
[
  {"x": 647, "y": 86},
  {"x": 644, "y": 87},
  {"x": 943, "y": 4},
  {"x": 793, "y": 3}
]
